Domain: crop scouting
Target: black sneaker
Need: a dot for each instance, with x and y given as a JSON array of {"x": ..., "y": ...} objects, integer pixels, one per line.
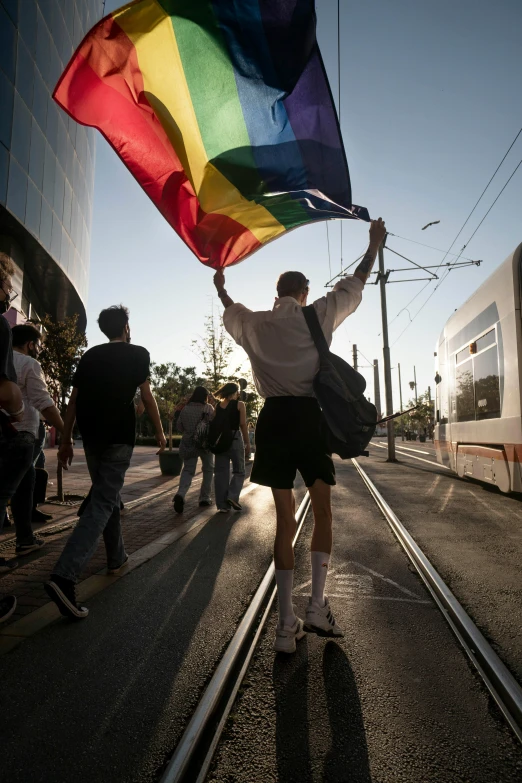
[
  {"x": 118, "y": 568},
  {"x": 62, "y": 592},
  {"x": 205, "y": 503},
  {"x": 6, "y": 566},
  {"x": 234, "y": 504},
  {"x": 25, "y": 549},
  {"x": 179, "y": 504},
  {"x": 40, "y": 517},
  {"x": 7, "y": 607}
]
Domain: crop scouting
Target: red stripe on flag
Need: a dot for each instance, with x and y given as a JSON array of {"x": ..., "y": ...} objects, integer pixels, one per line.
[{"x": 106, "y": 92}]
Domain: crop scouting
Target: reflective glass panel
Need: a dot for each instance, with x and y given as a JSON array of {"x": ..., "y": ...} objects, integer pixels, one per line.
[
  {"x": 65, "y": 251},
  {"x": 4, "y": 169},
  {"x": 33, "y": 209},
  {"x": 6, "y": 114},
  {"x": 16, "y": 190},
  {"x": 37, "y": 155},
  {"x": 465, "y": 397},
  {"x": 49, "y": 170},
  {"x": 7, "y": 45},
  {"x": 46, "y": 225},
  {"x": 27, "y": 26},
  {"x": 21, "y": 138},
  {"x": 59, "y": 184},
  {"x": 24, "y": 73},
  {"x": 11, "y": 6},
  {"x": 67, "y": 207},
  {"x": 62, "y": 142},
  {"x": 487, "y": 388},
  {"x": 55, "y": 67},
  {"x": 43, "y": 49},
  {"x": 51, "y": 131},
  {"x": 56, "y": 239},
  {"x": 40, "y": 96},
  {"x": 485, "y": 340}
]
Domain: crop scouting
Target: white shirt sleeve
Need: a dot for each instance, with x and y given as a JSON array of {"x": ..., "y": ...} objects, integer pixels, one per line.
[
  {"x": 338, "y": 304},
  {"x": 36, "y": 387},
  {"x": 233, "y": 319}
]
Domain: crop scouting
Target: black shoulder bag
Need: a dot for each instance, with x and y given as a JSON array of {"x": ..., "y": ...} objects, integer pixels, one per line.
[{"x": 349, "y": 417}]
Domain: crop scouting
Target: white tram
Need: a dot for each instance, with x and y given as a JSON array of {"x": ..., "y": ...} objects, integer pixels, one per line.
[{"x": 478, "y": 403}]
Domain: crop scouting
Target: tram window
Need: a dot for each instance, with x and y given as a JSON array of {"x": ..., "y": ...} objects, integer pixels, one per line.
[
  {"x": 487, "y": 389},
  {"x": 462, "y": 355},
  {"x": 465, "y": 397},
  {"x": 485, "y": 341}
]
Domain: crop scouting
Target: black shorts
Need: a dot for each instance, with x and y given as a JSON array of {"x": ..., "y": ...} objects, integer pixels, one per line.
[{"x": 289, "y": 438}]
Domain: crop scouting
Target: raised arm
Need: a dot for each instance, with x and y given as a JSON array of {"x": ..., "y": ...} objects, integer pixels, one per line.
[
  {"x": 219, "y": 282},
  {"x": 377, "y": 234}
]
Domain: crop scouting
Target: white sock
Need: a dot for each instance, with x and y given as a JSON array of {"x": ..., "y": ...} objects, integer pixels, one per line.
[
  {"x": 320, "y": 562},
  {"x": 285, "y": 582}
]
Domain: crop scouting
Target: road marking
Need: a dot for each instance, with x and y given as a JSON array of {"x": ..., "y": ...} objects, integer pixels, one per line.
[
  {"x": 434, "y": 486},
  {"x": 447, "y": 499},
  {"x": 343, "y": 583},
  {"x": 418, "y": 451},
  {"x": 421, "y": 459}
]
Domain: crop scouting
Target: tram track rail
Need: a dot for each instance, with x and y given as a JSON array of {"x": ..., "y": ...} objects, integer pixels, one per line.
[
  {"x": 195, "y": 750},
  {"x": 499, "y": 681}
]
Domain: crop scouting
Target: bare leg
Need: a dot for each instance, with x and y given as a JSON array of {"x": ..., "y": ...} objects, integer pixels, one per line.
[
  {"x": 320, "y": 495},
  {"x": 285, "y": 531}
]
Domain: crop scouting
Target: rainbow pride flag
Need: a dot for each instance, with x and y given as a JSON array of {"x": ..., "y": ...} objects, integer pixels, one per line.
[{"x": 222, "y": 111}]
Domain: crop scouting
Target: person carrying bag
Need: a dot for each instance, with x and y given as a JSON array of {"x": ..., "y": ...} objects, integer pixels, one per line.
[{"x": 228, "y": 440}]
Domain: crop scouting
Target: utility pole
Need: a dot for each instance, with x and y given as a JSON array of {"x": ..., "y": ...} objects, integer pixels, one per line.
[
  {"x": 432, "y": 413},
  {"x": 386, "y": 356},
  {"x": 400, "y": 397},
  {"x": 354, "y": 357},
  {"x": 415, "y": 382},
  {"x": 377, "y": 387}
]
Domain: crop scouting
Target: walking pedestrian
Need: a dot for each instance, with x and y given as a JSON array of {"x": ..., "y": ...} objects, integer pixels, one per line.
[
  {"x": 15, "y": 452},
  {"x": 196, "y": 411},
  {"x": 289, "y": 435},
  {"x": 102, "y": 402},
  {"x": 37, "y": 400},
  {"x": 230, "y": 417}
]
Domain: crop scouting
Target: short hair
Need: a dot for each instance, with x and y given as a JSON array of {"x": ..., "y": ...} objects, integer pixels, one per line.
[
  {"x": 113, "y": 320},
  {"x": 200, "y": 394},
  {"x": 226, "y": 391},
  {"x": 25, "y": 333},
  {"x": 6, "y": 267},
  {"x": 291, "y": 284}
]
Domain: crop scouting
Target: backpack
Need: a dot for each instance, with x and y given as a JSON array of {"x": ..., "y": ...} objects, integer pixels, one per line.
[
  {"x": 349, "y": 419},
  {"x": 220, "y": 433}
]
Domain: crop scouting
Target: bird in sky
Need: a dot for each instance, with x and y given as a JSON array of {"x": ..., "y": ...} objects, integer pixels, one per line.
[{"x": 434, "y": 223}]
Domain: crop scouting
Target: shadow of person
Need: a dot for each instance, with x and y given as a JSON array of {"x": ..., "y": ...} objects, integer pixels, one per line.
[
  {"x": 347, "y": 759},
  {"x": 290, "y": 678}
]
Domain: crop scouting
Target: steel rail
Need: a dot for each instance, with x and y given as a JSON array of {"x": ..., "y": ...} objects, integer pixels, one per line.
[
  {"x": 188, "y": 744},
  {"x": 498, "y": 679}
]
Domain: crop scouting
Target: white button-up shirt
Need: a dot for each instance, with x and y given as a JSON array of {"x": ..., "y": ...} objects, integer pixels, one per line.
[
  {"x": 282, "y": 353},
  {"x": 35, "y": 395}
]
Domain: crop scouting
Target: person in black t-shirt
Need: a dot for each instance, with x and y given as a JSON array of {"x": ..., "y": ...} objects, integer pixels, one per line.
[{"x": 102, "y": 403}]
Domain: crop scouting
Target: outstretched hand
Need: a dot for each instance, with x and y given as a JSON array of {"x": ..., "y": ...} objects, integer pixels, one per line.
[
  {"x": 377, "y": 232},
  {"x": 219, "y": 280}
]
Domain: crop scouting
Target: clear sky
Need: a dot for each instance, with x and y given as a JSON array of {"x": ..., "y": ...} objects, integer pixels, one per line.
[{"x": 430, "y": 102}]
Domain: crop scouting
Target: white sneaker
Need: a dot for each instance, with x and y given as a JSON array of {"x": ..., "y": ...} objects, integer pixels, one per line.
[
  {"x": 320, "y": 620},
  {"x": 286, "y": 636}
]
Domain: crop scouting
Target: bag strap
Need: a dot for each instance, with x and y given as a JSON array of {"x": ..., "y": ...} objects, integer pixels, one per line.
[{"x": 316, "y": 331}]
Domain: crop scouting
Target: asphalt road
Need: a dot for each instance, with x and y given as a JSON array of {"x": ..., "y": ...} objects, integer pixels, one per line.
[
  {"x": 471, "y": 532},
  {"x": 106, "y": 698},
  {"x": 395, "y": 701}
]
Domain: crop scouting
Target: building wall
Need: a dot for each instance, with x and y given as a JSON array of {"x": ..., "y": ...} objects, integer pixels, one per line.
[{"x": 46, "y": 159}]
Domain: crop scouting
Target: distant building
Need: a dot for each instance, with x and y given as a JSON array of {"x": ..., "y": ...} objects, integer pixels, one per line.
[{"x": 46, "y": 159}]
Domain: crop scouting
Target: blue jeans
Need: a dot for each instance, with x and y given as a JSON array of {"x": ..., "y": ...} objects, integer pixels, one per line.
[
  {"x": 189, "y": 468},
  {"x": 22, "y": 500},
  {"x": 107, "y": 468},
  {"x": 16, "y": 460},
  {"x": 224, "y": 486}
]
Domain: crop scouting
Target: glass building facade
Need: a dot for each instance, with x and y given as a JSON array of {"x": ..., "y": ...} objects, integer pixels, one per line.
[{"x": 46, "y": 159}]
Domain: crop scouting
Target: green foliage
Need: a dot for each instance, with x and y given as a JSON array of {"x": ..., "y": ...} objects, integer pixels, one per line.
[
  {"x": 63, "y": 348},
  {"x": 172, "y": 385},
  {"x": 421, "y": 418}
]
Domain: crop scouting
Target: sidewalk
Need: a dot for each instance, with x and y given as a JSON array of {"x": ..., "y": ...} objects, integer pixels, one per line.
[{"x": 141, "y": 526}]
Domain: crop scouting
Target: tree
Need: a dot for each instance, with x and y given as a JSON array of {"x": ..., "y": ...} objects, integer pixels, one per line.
[
  {"x": 253, "y": 402},
  {"x": 422, "y": 417},
  {"x": 215, "y": 350},
  {"x": 172, "y": 385},
  {"x": 64, "y": 345}
]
